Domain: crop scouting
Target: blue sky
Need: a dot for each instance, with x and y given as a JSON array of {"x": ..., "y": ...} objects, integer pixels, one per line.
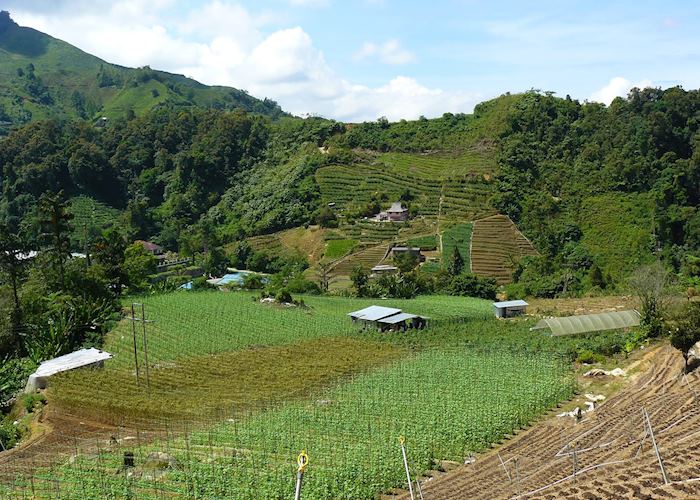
[{"x": 361, "y": 59}]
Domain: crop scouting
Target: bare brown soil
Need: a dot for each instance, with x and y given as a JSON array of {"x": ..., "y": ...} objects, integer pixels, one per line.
[{"x": 614, "y": 454}]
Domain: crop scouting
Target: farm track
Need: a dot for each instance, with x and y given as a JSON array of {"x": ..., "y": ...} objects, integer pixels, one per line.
[{"x": 613, "y": 434}]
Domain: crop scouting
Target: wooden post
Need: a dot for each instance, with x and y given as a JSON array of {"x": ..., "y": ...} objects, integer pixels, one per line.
[
  {"x": 133, "y": 331},
  {"x": 574, "y": 460},
  {"x": 656, "y": 448},
  {"x": 517, "y": 475},
  {"x": 145, "y": 344}
]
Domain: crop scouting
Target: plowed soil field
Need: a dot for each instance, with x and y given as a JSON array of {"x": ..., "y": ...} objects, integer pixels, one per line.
[{"x": 615, "y": 457}]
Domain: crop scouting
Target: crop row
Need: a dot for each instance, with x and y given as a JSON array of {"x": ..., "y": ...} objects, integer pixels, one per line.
[{"x": 350, "y": 433}]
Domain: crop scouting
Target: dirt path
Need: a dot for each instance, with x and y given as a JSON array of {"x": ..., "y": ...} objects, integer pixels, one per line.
[{"x": 614, "y": 458}]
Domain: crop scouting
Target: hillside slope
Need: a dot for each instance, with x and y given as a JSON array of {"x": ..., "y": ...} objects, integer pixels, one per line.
[{"x": 43, "y": 77}]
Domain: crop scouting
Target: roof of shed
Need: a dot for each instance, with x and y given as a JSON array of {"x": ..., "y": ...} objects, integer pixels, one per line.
[
  {"x": 397, "y": 318},
  {"x": 70, "y": 361},
  {"x": 510, "y": 303},
  {"x": 373, "y": 313},
  {"x": 396, "y": 207},
  {"x": 570, "y": 325}
]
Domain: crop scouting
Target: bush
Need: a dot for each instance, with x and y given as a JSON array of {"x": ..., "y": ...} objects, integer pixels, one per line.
[
  {"x": 589, "y": 357},
  {"x": 30, "y": 401},
  {"x": 470, "y": 285},
  {"x": 10, "y": 434},
  {"x": 13, "y": 377},
  {"x": 283, "y": 296}
]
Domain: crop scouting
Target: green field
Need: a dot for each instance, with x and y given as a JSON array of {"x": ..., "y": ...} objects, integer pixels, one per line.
[
  {"x": 457, "y": 236},
  {"x": 257, "y": 383},
  {"x": 337, "y": 248}
]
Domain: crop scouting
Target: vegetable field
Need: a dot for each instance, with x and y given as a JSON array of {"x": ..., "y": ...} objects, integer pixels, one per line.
[
  {"x": 448, "y": 404},
  {"x": 236, "y": 389}
]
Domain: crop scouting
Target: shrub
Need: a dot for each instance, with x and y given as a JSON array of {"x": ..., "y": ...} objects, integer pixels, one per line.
[
  {"x": 283, "y": 296},
  {"x": 473, "y": 286},
  {"x": 30, "y": 401}
]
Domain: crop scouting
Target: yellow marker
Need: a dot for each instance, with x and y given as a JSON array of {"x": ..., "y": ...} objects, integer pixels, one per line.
[
  {"x": 302, "y": 461},
  {"x": 402, "y": 440}
]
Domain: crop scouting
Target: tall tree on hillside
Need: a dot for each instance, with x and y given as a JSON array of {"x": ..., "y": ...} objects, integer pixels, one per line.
[
  {"x": 456, "y": 264},
  {"x": 54, "y": 219},
  {"x": 109, "y": 252},
  {"x": 650, "y": 284},
  {"x": 687, "y": 331},
  {"x": 12, "y": 247}
]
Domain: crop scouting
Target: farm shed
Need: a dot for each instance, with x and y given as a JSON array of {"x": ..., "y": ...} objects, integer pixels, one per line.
[
  {"x": 387, "y": 318},
  {"x": 571, "y": 325},
  {"x": 510, "y": 308},
  {"x": 373, "y": 313},
  {"x": 84, "y": 358},
  {"x": 402, "y": 322}
]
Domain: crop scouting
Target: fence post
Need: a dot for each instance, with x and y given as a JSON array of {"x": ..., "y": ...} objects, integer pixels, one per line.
[
  {"x": 302, "y": 461},
  {"x": 656, "y": 448},
  {"x": 402, "y": 440}
]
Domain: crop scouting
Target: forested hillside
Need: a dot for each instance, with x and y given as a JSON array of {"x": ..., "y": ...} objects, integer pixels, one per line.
[{"x": 569, "y": 174}]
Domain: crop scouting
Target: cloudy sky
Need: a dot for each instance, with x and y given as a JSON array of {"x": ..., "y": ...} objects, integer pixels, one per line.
[{"x": 358, "y": 60}]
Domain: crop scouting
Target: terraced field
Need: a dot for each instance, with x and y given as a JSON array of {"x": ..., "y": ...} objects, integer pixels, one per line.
[
  {"x": 367, "y": 258},
  {"x": 457, "y": 187},
  {"x": 497, "y": 245}
]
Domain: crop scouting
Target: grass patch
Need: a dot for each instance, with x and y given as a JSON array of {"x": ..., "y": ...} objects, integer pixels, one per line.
[
  {"x": 202, "y": 386},
  {"x": 338, "y": 248}
]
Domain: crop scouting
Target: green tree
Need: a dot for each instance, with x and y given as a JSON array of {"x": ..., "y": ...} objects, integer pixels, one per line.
[
  {"x": 138, "y": 265},
  {"x": 54, "y": 219},
  {"x": 326, "y": 218},
  {"x": 109, "y": 252},
  {"x": 650, "y": 285},
  {"x": 687, "y": 331},
  {"x": 406, "y": 261},
  {"x": 360, "y": 281},
  {"x": 456, "y": 263}
]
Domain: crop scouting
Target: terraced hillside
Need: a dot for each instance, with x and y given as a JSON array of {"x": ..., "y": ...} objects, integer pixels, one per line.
[
  {"x": 615, "y": 456},
  {"x": 367, "y": 258},
  {"x": 457, "y": 187},
  {"x": 497, "y": 245}
]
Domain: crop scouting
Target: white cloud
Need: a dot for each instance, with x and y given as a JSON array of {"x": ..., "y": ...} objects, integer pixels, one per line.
[
  {"x": 617, "y": 87},
  {"x": 222, "y": 43},
  {"x": 309, "y": 3},
  {"x": 389, "y": 52}
]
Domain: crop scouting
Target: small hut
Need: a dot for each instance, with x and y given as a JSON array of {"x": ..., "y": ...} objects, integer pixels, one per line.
[{"x": 510, "y": 308}]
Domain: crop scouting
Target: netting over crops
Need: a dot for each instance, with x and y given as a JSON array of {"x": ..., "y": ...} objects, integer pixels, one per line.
[
  {"x": 236, "y": 389},
  {"x": 571, "y": 325}
]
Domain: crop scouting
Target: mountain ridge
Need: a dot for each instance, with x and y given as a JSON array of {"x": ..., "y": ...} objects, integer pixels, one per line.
[{"x": 44, "y": 77}]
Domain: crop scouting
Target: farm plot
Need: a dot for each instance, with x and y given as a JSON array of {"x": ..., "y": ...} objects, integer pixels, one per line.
[
  {"x": 350, "y": 432},
  {"x": 457, "y": 236},
  {"x": 203, "y": 323},
  {"x": 454, "y": 187},
  {"x": 496, "y": 247}
]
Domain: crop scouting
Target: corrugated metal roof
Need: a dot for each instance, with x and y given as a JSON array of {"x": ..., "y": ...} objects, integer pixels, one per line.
[
  {"x": 510, "y": 303},
  {"x": 71, "y": 361},
  {"x": 397, "y": 318},
  {"x": 373, "y": 313},
  {"x": 571, "y": 325}
]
